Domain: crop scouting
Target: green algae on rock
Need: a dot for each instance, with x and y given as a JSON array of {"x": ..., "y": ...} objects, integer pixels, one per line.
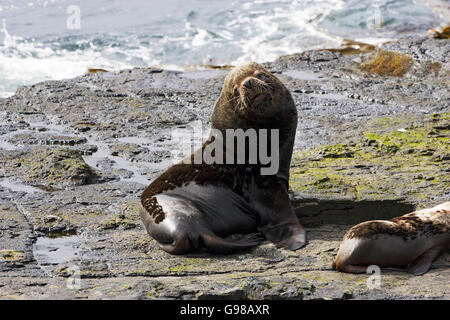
[
  {"x": 11, "y": 255},
  {"x": 388, "y": 162},
  {"x": 58, "y": 167}
]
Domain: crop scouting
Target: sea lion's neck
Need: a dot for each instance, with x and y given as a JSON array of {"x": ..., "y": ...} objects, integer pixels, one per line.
[
  {"x": 276, "y": 112},
  {"x": 260, "y": 144}
]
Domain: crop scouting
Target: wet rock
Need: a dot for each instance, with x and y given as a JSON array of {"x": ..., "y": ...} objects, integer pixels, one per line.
[
  {"x": 46, "y": 139},
  {"x": 127, "y": 150},
  {"x": 367, "y": 147},
  {"x": 55, "y": 168}
]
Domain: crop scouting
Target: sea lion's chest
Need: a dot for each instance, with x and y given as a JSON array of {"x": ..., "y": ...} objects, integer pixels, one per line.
[
  {"x": 237, "y": 184},
  {"x": 217, "y": 206},
  {"x": 224, "y": 196}
]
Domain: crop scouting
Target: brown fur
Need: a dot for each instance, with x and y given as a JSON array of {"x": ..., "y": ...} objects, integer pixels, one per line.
[
  {"x": 276, "y": 111},
  {"x": 245, "y": 117},
  {"x": 425, "y": 235},
  {"x": 234, "y": 177}
]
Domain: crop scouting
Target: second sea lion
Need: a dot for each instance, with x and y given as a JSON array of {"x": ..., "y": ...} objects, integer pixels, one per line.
[{"x": 411, "y": 241}]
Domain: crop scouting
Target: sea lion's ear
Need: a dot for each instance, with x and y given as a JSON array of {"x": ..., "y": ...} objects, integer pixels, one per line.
[{"x": 216, "y": 115}]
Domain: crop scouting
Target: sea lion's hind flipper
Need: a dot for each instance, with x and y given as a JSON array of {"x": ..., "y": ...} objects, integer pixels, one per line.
[
  {"x": 393, "y": 269},
  {"x": 349, "y": 268},
  {"x": 217, "y": 245},
  {"x": 423, "y": 263},
  {"x": 181, "y": 245}
]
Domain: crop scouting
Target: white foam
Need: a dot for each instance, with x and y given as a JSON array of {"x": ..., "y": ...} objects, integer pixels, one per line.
[
  {"x": 285, "y": 30},
  {"x": 373, "y": 41},
  {"x": 238, "y": 32},
  {"x": 24, "y": 62}
]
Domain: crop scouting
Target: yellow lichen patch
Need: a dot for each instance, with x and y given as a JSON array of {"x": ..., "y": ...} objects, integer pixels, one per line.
[
  {"x": 10, "y": 255},
  {"x": 433, "y": 67},
  {"x": 118, "y": 221},
  {"x": 131, "y": 210},
  {"x": 96, "y": 70},
  {"x": 444, "y": 34},
  {"x": 387, "y": 63},
  {"x": 180, "y": 268}
]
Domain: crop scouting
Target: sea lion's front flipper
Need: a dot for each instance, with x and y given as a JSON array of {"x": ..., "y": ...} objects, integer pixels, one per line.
[
  {"x": 423, "y": 263},
  {"x": 217, "y": 245},
  {"x": 279, "y": 224},
  {"x": 291, "y": 236}
]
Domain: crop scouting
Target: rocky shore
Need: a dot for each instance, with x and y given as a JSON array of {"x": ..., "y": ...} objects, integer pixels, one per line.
[{"x": 372, "y": 142}]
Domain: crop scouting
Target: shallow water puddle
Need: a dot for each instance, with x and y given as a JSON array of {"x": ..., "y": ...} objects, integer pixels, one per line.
[
  {"x": 303, "y": 75},
  {"x": 56, "y": 250},
  {"x": 18, "y": 187},
  {"x": 330, "y": 96},
  {"x": 204, "y": 74},
  {"x": 7, "y": 146},
  {"x": 103, "y": 152}
]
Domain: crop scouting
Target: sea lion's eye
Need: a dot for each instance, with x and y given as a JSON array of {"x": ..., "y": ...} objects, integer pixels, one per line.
[
  {"x": 236, "y": 92},
  {"x": 260, "y": 76}
]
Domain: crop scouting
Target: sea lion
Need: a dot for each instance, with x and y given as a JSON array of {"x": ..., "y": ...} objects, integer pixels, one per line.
[
  {"x": 413, "y": 241},
  {"x": 195, "y": 206}
]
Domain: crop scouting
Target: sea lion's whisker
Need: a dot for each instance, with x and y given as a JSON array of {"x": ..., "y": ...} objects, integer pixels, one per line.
[{"x": 228, "y": 101}]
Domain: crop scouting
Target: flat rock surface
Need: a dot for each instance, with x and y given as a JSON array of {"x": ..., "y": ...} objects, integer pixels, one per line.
[{"x": 76, "y": 154}]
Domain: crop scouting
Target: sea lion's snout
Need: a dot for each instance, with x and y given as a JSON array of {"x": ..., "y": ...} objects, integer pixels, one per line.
[
  {"x": 247, "y": 83},
  {"x": 253, "y": 90}
]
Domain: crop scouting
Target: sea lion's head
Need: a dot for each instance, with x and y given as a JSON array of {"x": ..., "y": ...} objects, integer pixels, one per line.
[{"x": 251, "y": 97}]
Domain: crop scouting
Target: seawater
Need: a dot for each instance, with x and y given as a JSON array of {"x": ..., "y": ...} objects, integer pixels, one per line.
[{"x": 37, "y": 41}]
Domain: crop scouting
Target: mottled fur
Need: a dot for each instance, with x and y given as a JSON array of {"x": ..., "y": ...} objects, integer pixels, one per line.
[
  {"x": 234, "y": 177},
  {"x": 408, "y": 226}
]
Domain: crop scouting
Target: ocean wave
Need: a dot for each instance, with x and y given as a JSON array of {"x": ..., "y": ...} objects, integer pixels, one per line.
[{"x": 115, "y": 35}]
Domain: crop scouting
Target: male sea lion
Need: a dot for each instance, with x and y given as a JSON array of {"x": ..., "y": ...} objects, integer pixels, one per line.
[
  {"x": 413, "y": 241},
  {"x": 194, "y": 206}
]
